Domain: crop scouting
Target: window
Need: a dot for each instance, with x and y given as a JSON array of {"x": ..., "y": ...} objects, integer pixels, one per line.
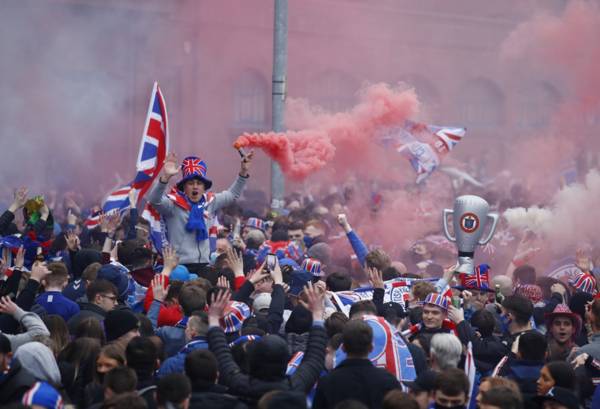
[{"x": 250, "y": 100}]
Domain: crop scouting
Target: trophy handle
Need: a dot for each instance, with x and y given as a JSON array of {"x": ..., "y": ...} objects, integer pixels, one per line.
[
  {"x": 495, "y": 219},
  {"x": 445, "y": 214}
]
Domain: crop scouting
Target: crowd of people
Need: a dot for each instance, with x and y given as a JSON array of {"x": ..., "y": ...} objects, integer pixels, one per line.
[{"x": 239, "y": 308}]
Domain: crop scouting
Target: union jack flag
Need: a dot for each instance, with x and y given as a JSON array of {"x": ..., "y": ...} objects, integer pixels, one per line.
[
  {"x": 477, "y": 281},
  {"x": 158, "y": 233},
  {"x": 153, "y": 150},
  {"x": 193, "y": 166},
  {"x": 235, "y": 315},
  {"x": 584, "y": 282}
]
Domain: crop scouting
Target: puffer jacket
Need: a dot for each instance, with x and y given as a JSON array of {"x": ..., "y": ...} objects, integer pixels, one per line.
[
  {"x": 251, "y": 389},
  {"x": 188, "y": 248}
]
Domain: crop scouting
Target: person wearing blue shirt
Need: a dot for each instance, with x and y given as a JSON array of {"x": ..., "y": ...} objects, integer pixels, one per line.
[{"x": 52, "y": 300}]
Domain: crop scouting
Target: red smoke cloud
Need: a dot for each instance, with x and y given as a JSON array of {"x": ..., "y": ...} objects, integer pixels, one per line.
[{"x": 342, "y": 139}]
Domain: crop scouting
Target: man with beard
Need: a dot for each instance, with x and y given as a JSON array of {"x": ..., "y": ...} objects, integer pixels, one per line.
[{"x": 563, "y": 327}]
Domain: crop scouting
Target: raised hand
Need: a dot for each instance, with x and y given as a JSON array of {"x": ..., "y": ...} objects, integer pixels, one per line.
[
  {"x": 71, "y": 218},
  {"x": 258, "y": 275},
  {"x": 246, "y": 162},
  {"x": 39, "y": 271},
  {"x": 235, "y": 262},
  {"x": 44, "y": 212},
  {"x": 170, "y": 260},
  {"x": 170, "y": 167},
  {"x": 20, "y": 198},
  {"x": 314, "y": 301},
  {"x": 276, "y": 273},
  {"x": 455, "y": 315},
  {"x": 343, "y": 222},
  {"x": 222, "y": 281},
  {"x": 375, "y": 277},
  {"x": 158, "y": 288},
  {"x": 72, "y": 241},
  {"x": 219, "y": 303},
  {"x": 20, "y": 259},
  {"x": 133, "y": 193},
  {"x": 7, "y": 306}
]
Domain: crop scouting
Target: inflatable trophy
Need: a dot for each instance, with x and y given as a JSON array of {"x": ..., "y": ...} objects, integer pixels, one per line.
[{"x": 469, "y": 218}]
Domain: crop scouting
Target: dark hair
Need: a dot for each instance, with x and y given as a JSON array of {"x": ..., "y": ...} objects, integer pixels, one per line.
[
  {"x": 173, "y": 388},
  {"x": 121, "y": 380},
  {"x": 296, "y": 225},
  {"x": 545, "y": 283},
  {"x": 141, "y": 355},
  {"x": 100, "y": 287},
  {"x": 396, "y": 399},
  {"x": 367, "y": 306},
  {"x": 191, "y": 298},
  {"x": 82, "y": 354},
  {"x": 5, "y": 347},
  {"x": 357, "y": 338},
  {"x": 452, "y": 382},
  {"x": 175, "y": 287},
  {"x": 484, "y": 321},
  {"x": 502, "y": 397},
  {"x": 335, "y": 341},
  {"x": 520, "y": 307},
  {"x": 415, "y": 315},
  {"x": 133, "y": 253},
  {"x": 279, "y": 235},
  {"x": 338, "y": 282},
  {"x": 146, "y": 329},
  {"x": 129, "y": 400},
  {"x": 389, "y": 273},
  {"x": 334, "y": 324},
  {"x": 59, "y": 332},
  {"x": 90, "y": 327},
  {"x": 532, "y": 346},
  {"x": 424, "y": 341},
  {"x": 562, "y": 373},
  {"x": 524, "y": 274},
  {"x": 201, "y": 366},
  {"x": 596, "y": 312}
]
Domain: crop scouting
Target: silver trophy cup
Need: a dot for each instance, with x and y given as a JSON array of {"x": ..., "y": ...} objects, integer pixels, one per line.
[{"x": 469, "y": 218}]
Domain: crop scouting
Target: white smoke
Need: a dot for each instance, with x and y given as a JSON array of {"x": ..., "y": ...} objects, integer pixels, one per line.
[{"x": 572, "y": 218}]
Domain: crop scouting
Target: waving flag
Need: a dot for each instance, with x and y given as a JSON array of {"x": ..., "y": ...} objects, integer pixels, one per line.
[
  {"x": 151, "y": 155},
  {"x": 390, "y": 352},
  {"x": 424, "y": 145},
  {"x": 158, "y": 230}
]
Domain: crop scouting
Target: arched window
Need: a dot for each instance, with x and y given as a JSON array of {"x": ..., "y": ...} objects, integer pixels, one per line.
[
  {"x": 481, "y": 103},
  {"x": 250, "y": 100},
  {"x": 333, "y": 90},
  {"x": 537, "y": 103}
]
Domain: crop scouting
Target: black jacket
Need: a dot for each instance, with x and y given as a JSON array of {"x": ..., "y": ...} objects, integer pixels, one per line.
[
  {"x": 213, "y": 397},
  {"x": 525, "y": 373},
  {"x": 87, "y": 310},
  {"x": 15, "y": 383},
  {"x": 487, "y": 351},
  {"x": 356, "y": 379},
  {"x": 251, "y": 389}
]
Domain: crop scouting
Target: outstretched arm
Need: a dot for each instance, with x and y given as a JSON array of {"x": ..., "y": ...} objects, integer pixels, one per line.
[
  {"x": 359, "y": 247},
  {"x": 156, "y": 195},
  {"x": 226, "y": 197}
]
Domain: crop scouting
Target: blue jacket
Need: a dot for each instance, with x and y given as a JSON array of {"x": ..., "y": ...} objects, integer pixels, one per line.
[
  {"x": 54, "y": 302},
  {"x": 177, "y": 362}
]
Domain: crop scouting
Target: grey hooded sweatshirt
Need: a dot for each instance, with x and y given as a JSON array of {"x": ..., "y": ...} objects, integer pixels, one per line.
[
  {"x": 188, "y": 248},
  {"x": 39, "y": 361}
]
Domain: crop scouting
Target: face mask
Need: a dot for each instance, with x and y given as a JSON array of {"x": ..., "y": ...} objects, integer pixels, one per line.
[{"x": 308, "y": 241}]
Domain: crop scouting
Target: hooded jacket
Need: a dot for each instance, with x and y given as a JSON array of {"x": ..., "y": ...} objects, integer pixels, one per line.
[
  {"x": 32, "y": 323},
  {"x": 487, "y": 351},
  {"x": 524, "y": 372},
  {"x": 188, "y": 248},
  {"x": 39, "y": 361},
  {"x": 268, "y": 363}
]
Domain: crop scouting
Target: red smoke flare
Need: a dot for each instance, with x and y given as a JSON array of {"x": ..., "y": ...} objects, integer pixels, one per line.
[{"x": 341, "y": 140}]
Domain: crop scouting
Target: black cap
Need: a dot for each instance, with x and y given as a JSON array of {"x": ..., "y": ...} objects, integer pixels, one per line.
[
  {"x": 393, "y": 307},
  {"x": 561, "y": 395},
  {"x": 425, "y": 382}
]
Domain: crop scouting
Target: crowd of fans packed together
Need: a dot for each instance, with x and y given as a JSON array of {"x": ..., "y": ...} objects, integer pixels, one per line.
[{"x": 239, "y": 307}]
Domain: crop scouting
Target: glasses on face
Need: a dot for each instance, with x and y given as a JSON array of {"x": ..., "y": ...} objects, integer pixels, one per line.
[{"x": 113, "y": 298}]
